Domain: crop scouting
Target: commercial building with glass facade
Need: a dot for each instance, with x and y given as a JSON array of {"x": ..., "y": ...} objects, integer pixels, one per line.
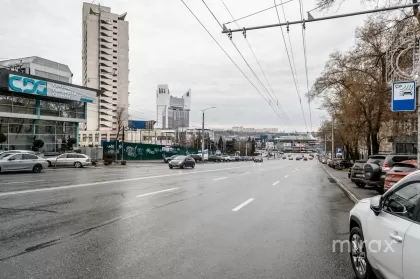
[{"x": 33, "y": 107}]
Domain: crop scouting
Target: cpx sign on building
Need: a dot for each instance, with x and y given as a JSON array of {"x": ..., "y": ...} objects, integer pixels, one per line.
[{"x": 27, "y": 85}]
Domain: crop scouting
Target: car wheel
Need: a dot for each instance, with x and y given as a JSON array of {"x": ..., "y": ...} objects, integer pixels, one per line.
[
  {"x": 193, "y": 166},
  {"x": 37, "y": 168},
  {"x": 358, "y": 256},
  {"x": 360, "y": 185},
  {"x": 78, "y": 165},
  {"x": 171, "y": 167},
  {"x": 49, "y": 163},
  {"x": 182, "y": 166}
]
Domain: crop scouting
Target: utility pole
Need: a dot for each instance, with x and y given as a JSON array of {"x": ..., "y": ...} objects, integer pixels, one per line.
[
  {"x": 332, "y": 140},
  {"x": 202, "y": 139},
  {"x": 202, "y": 133},
  {"x": 122, "y": 145},
  {"x": 312, "y": 19},
  {"x": 325, "y": 143},
  {"x": 246, "y": 149}
]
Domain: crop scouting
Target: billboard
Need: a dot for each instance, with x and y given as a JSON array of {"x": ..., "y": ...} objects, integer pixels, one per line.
[{"x": 28, "y": 85}]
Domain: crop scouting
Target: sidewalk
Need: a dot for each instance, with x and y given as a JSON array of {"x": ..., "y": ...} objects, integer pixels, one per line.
[{"x": 352, "y": 191}]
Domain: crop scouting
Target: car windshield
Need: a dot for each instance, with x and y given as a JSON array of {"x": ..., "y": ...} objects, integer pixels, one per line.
[
  {"x": 180, "y": 157},
  {"x": 402, "y": 167},
  {"x": 5, "y": 155},
  {"x": 376, "y": 160}
]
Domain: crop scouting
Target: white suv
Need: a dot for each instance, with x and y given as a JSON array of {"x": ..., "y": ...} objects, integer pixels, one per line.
[{"x": 385, "y": 233}]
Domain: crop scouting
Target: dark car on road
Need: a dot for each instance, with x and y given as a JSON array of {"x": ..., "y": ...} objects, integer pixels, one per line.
[
  {"x": 258, "y": 159},
  {"x": 215, "y": 158},
  {"x": 182, "y": 162},
  {"x": 196, "y": 157},
  {"x": 357, "y": 173}
]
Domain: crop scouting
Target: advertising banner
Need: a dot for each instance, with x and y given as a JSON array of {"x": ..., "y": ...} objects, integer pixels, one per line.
[{"x": 29, "y": 85}]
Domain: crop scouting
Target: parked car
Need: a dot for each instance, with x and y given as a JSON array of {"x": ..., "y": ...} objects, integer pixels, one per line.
[
  {"x": 215, "y": 158},
  {"x": 284, "y": 157},
  {"x": 182, "y": 162},
  {"x": 258, "y": 159},
  {"x": 236, "y": 158},
  {"x": 226, "y": 158},
  {"x": 398, "y": 172},
  {"x": 311, "y": 157},
  {"x": 197, "y": 157},
  {"x": 17, "y": 151},
  {"x": 334, "y": 163},
  {"x": 373, "y": 175},
  {"x": 385, "y": 232},
  {"x": 168, "y": 159},
  {"x": 349, "y": 173},
  {"x": 305, "y": 158},
  {"x": 357, "y": 173},
  {"x": 70, "y": 159},
  {"x": 21, "y": 162},
  {"x": 376, "y": 169},
  {"x": 343, "y": 164},
  {"x": 290, "y": 158}
]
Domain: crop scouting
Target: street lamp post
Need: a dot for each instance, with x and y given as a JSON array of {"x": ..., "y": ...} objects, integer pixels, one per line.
[{"x": 202, "y": 133}]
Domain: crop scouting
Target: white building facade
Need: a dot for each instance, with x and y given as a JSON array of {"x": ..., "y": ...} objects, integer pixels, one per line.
[
  {"x": 105, "y": 66},
  {"x": 40, "y": 67},
  {"x": 172, "y": 112}
]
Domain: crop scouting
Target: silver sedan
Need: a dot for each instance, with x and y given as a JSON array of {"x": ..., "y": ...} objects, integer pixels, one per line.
[
  {"x": 70, "y": 159},
  {"x": 21, "y": 162}
]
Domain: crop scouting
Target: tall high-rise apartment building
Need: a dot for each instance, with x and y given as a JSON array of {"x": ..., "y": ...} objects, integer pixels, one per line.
[{"x": 105, "y": 64}]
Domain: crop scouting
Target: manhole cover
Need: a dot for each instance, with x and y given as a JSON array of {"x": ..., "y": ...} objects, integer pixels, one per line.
[{"x": 332, "y": 180}]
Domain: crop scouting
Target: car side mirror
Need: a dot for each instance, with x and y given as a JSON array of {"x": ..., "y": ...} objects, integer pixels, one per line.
[{"x": 376, "y": 204}]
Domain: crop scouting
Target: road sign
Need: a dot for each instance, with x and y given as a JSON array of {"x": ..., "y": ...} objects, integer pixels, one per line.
[{"x": 404, "y": 96}]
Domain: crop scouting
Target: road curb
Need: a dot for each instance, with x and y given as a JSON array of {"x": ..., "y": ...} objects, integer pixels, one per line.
[{"x": 346, "y": 191}]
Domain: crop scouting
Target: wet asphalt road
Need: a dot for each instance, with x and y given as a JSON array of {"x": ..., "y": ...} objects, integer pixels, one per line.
[{"x": 229, "y": 220}]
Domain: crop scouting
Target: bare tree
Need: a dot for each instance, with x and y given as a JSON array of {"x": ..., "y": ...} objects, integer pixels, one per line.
[{"x": 121, "y": 121}]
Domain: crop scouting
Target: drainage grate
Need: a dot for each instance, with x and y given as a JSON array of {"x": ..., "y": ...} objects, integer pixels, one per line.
[{"x": 332, "y": 180}]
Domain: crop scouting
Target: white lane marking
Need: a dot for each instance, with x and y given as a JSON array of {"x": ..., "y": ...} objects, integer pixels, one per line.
[
  {"x": 275, "y": 183},
  {"x": 157, "y": 192},
  {"x": 286, "y": 176},
  {"x": 220, "y": 178},
  {"x": 296, "y": 169},
  {"x": 245, "y": 173},
  {"x": 111, "y": 181},
  {"x": 242, "y": 204},
  {"x": 21, "y": 182}
]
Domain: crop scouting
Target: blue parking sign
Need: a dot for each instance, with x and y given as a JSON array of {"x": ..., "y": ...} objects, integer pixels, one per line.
[{"x": 404, "y": 96}]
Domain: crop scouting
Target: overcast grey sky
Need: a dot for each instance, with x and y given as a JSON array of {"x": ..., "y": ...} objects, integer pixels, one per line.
[{"x": 167, "y": 45}]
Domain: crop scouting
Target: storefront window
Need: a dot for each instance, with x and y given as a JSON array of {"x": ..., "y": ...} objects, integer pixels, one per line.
[
  {"x": 15, "y": 103},
  {"x": 68, "y": 109}
]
